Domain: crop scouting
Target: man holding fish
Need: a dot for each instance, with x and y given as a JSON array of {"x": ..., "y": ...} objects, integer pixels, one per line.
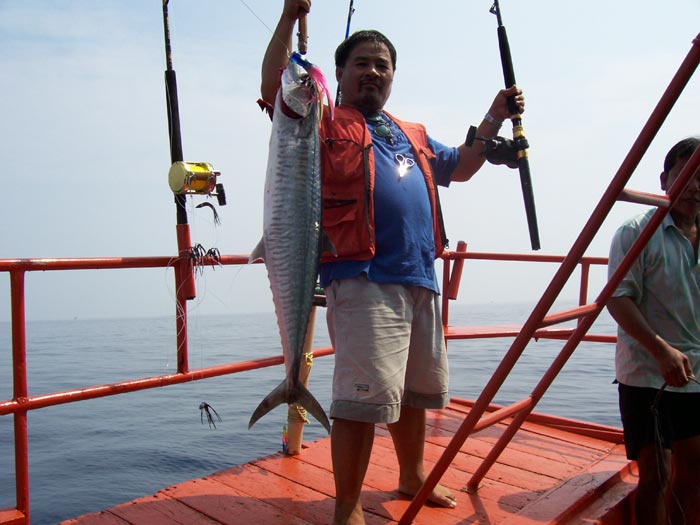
[{"x": 381, "y": 214}]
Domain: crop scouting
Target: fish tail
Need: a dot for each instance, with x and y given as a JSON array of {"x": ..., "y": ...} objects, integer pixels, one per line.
[
  {"x": 312, "y": 406},
  {"x": 272, "y": 400},
  {"x": 283, "y": 394}
]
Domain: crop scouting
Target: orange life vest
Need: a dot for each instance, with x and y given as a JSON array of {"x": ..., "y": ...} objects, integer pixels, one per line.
[{"x": 347, "y": 176}]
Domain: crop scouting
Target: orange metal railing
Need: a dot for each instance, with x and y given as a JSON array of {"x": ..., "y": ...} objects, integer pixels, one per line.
[{"x": 21, "y": 403}]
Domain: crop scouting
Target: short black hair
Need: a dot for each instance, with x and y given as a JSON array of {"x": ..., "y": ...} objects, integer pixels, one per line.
[
  {"x": 366, "y": 35},
  {"x": 681, "y": 151}
]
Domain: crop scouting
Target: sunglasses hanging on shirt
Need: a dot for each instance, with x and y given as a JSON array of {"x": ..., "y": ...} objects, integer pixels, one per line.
[{"x": 381, "y": 127}]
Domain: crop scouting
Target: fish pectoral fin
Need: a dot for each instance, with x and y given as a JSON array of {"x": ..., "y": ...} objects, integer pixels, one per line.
[
  {"x": 273, "y": 399},
  {"x": 306, "y": 399},
  {"x": 258, "y": 252},
  {"x": 326, "y": 245}
]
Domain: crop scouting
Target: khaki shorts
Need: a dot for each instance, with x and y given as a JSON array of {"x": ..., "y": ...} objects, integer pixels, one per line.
[{"x": 389, "y": 349}]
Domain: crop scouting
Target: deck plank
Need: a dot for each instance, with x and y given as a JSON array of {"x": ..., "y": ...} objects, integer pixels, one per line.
[
  {"x": 298, "y": 470},
  {"x": 104, "y": 517},
  {"x": 467, "y": 462},
  {"x": 295, "y": 499},
  {"x": 230, "y": 506},
  {"x": 582, "y": 489},
  {"x": 565, "y": 432},
  {"x": 160, "y": 509},
  {"x": 526, "y": 459},
  {"x": 551, "y": 445},
  {"x": 496, "y": 484},
  {"x": 454, "y": 479},
  {"x": 544, "y": 476}
]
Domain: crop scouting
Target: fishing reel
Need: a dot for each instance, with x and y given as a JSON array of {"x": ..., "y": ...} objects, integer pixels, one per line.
[
  {"x": 498, "y": 150},
  {"x": 196, "y": 178}
]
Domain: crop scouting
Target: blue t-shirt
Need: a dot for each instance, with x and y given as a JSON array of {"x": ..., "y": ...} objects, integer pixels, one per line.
[{"x": 405, "y": 247}]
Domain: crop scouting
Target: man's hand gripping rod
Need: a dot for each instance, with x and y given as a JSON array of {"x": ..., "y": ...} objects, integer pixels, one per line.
[{"x": 519, "y": 141}]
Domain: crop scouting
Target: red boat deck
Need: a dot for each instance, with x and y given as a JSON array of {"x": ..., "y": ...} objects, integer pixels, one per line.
[{"x": 553, "y": 472}]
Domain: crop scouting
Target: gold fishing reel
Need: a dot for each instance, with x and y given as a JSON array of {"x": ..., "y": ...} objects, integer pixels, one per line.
[{"x": 196, "y": 178}]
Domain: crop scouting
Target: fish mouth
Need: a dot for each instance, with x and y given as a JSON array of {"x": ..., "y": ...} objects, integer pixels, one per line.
[{"x": 299, "y": 98}]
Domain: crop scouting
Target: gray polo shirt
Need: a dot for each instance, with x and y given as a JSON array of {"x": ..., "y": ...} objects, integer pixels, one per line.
[{"x": 664, "y": 282}]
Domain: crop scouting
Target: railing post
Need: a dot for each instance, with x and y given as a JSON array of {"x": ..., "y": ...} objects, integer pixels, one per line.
[
  {"x": 446, "y": 265},
  {"x": 20, "y": 392},
  {"x": 456, "y": 275},
  {"x": 451, "y": 279},
  {"x": 583, "y": 288},
  {"x": 183, "y": 276},
  {"x": 296, "y": 414}
]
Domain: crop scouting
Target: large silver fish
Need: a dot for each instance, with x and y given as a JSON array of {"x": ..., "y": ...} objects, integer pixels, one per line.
[{"x": 290, "y": 244}]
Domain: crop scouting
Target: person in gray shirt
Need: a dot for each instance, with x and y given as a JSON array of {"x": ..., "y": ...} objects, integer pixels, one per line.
[{"x": 657, "y": 358}]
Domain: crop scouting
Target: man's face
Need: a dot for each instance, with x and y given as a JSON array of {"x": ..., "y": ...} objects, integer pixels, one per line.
[
  {"x": 365, "y": 79},
  {"x": 689, "y": 201}
]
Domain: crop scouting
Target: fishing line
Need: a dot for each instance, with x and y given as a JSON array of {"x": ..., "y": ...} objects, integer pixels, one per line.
[
  {"x": 179, "y": 311},
  {"x": 208, "y": 259},
  {"x": 284, "y": 44},
  {"x": 662, "y": 476},
  {"x": 259, "y": 19},
  {"x": 659, "y": 450},
  {"x": 204, "y": 291}
]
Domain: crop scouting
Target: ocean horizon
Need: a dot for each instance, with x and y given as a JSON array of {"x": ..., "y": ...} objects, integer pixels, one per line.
[{"x": 87, "y": 456}]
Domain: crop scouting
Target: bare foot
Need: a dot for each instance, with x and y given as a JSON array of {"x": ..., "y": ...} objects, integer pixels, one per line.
[{"x": 441, "y": 496}]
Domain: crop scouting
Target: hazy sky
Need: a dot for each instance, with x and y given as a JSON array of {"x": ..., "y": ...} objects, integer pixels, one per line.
[{"x": 84, "y": 148}]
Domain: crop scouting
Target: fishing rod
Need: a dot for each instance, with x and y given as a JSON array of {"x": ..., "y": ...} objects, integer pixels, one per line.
[
  {"x": 184, "y": 177},
  {"x": 173, "y": 112},
  {"x": 351, "y": 11},
  {"x": 303, "y": 36},
  {"x": 185, "y": 274},
  {"x": 519, "y": 140}
]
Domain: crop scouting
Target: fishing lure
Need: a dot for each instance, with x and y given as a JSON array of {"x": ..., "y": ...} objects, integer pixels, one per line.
[
  {"x": 316, "y": 75},
  {"x": 206, "y": 408}
]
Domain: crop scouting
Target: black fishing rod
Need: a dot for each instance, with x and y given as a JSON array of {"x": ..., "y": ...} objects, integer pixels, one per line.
[
  {"x": 186, "y": 178},
  {"x": 520, "y": 142},
  {"x": 185, "y": 276},
  {"x": 351, "y": 10},
  {"x": 173, "y": 114}
]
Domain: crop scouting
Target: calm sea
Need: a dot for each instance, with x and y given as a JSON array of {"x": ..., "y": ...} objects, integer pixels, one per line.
[{"x": 87, "y": 456}]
